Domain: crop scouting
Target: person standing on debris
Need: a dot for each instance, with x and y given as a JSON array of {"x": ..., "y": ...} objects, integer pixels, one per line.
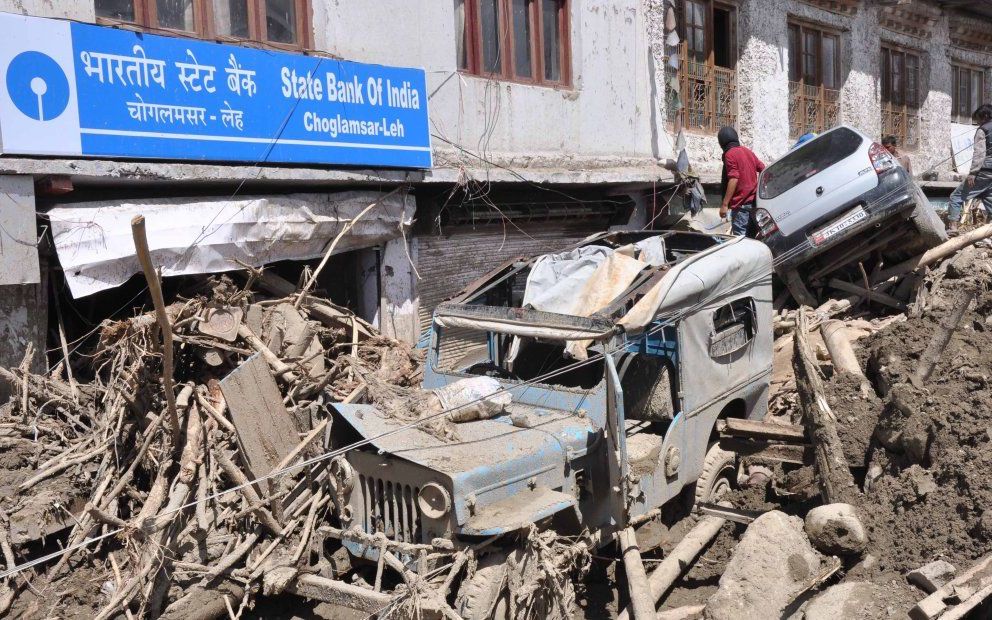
[
  {"x": 739, "y": 182},
  {"x": 891, "y": 144},
  {"x": 978, "y": 184}
]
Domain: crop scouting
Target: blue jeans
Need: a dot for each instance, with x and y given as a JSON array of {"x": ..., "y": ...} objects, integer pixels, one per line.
[
  {"x": 742, "y": 222},
  {"x": 982, "y": 189}
]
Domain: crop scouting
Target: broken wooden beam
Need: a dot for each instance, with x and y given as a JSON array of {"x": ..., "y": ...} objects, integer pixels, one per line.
[
  {"x": 768, "y": 452},
  {"x": 736, "y": 515},
  {"x": 869, "y": 294},
  {"x": 948, "y": 325},
  {"x": 935, "y": 254},
  {"x": 755, "y": 429},
  {"x": 833, "y": 473},
  {"x": 935, "y": 604}
]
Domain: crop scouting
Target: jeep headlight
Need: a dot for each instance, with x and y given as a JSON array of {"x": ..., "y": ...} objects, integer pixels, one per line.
[{"x": 434, "y": 501}]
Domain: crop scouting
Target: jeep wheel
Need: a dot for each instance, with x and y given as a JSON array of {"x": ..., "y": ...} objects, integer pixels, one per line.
[
  {"x": 719, "y": 475},
  {"x": 485, "y": 596}
]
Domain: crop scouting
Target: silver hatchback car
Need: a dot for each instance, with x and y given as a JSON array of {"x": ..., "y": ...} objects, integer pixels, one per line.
[{"x": 837, "y": 200}]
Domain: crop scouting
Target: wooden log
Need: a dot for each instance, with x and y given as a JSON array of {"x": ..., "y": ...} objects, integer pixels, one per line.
[
  {"x": 834, "y": 475},
  {"x": 681, "y": 613},
  {"x": 637, "y": 579},
  {"x": 935, "y": 254},
  {"x": 681, "y": 558},
  {"x": 948, "y": 325},
  {"x": 339, "y": 593},
  {"x": 155, "y": 288}
]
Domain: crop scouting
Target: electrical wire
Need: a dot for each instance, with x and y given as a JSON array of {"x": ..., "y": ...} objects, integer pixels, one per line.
[{"x": 311, "y": 462}]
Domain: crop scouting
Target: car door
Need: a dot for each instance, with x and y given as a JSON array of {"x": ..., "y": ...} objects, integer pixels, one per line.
[{"x": 817, "y": 180}]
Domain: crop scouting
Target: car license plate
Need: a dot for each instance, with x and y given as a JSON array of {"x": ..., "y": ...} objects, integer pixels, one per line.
[{"x": 853, "y": 217}]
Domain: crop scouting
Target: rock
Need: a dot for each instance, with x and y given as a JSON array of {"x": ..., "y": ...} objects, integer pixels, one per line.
[
  {"x": 771, "y": 565},
  {"x": 932, "y": 576},
  {"x": 922, "y": 481},
  {"x": 836, "y": 529},
  {"x": 854, "y": 600}
]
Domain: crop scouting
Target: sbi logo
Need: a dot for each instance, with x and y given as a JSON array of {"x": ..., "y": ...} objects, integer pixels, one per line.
[{"x": 37, "y": 86}]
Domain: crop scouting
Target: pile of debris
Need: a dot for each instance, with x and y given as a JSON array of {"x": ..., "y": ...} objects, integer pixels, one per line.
[
  {"x": 120, "y": 498},
  {"x": 872, "y": 500}
]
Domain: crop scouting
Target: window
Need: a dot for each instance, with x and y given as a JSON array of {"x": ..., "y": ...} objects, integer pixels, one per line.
[
  {"x": 279, "y": 23},
  {"x": 701, "y": 70},
  {"x": 733, "y": 327},
  {"x": 901, "y": 95},
  {"x": 967, "y": 92},
  {"x": 802, "y": 164},
  {"x": 522, "y": 40},
  {"x": 814, "y": 79}
]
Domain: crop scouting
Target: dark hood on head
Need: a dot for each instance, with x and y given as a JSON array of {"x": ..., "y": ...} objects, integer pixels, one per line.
[{"x": 728, "y": 138}]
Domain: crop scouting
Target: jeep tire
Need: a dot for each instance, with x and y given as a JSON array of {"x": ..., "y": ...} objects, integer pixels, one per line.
[{"x": 719, "y": 474}]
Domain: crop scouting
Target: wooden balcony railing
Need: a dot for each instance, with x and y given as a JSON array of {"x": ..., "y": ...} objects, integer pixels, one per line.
[
  {"x": 903, "y": 122},
  {"x": 812, "y": 108},
  {"x": 708, "y": 97}
]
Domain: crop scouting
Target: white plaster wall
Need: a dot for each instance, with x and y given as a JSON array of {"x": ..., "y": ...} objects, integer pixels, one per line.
[
  {"x": 763, "y": 76},
  {"x": 603, "y": 120},
  {"x": 81, "y": 10}
]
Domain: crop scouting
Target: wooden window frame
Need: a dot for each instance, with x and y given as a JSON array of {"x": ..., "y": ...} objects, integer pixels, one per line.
[
  {"x": 507, "y": 57},
  {"x": 826, "y": 100},
  {"x": 904, "y": 109},
  {"x": 205, "y": 26},
  {"x": 956, "y": 70},
  {"x": 710, "y": 110}
]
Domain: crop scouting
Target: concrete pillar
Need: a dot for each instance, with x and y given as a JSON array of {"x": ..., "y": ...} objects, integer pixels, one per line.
[
  {"x": 763, "y": 77},
  {"x": 399, "y": 305},
  {"x": 860, "y": 97},
  {"x": 936, "y": 82},
  {"x": 23, "y": 294}
]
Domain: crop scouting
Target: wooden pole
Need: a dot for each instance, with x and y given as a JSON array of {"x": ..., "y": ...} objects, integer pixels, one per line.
[
  {"x": 935, "y": 254},
  {"x": 155, "y": 288},
  {"x": 679, "y": 560},
  {"x": 940, "y": 340},
  {"x": 836, "y": 482},
  {"x": 637, "y": 579}
]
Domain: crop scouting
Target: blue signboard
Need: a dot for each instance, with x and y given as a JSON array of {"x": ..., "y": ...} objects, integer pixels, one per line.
[{"x": 81, "y": 90}]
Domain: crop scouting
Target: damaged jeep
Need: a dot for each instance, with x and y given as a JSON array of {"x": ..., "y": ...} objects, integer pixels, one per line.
[{"x": 611, "y": 363}]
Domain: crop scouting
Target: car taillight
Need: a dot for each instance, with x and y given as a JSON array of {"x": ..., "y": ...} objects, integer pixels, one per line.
[
  {"x": 766, "y": 225},
  {"x": 881, "y": 158}
]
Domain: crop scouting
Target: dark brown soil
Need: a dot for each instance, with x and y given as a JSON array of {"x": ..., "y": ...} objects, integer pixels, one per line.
[{"x": 933, "y": 498}]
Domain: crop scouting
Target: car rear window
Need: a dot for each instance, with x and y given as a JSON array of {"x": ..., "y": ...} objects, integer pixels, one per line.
[{"x": 807, "y": 161}]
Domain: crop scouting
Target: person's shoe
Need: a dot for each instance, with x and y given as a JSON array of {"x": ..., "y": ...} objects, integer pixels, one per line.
[{"x": 952, "y": 229}]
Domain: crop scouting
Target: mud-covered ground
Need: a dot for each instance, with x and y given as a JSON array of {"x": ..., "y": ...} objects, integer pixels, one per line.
[{"x": 921, "y": 453}]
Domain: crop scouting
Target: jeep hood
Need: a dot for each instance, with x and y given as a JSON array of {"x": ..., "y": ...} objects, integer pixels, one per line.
[{"x": 492, "y": 460}]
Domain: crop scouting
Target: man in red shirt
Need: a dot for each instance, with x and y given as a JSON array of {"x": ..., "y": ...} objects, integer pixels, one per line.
[{"x": 740, "y": 183}]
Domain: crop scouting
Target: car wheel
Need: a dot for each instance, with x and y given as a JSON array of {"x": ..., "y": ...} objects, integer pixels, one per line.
[
  {"x": 926, "y": 221},
  {"x": 719, "y": 475}
]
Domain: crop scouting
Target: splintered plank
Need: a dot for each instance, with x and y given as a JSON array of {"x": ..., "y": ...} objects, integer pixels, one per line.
[
  {"x": 266, "y": 430},
  {"x": 754, "y": 429}
]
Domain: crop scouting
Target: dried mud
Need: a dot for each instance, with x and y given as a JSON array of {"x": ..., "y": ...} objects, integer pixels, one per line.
[{"x": 929, "y": 492}]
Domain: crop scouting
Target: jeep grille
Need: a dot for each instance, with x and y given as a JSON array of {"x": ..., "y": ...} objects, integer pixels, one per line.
[{"x": 390, "y": 508}]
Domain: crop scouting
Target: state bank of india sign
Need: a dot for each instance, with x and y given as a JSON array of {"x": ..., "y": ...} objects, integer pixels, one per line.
[{"x": 74, "y": 89}]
